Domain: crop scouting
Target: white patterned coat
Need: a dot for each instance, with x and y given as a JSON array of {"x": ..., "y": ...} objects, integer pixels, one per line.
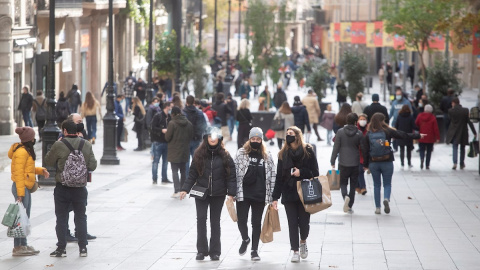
[{"x": 241, "y": 164}]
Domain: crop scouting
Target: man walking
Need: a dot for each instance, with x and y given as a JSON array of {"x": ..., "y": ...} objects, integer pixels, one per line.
[
  {"x": 40, "y": 109},
  {"x": 128, "y": 92},
  {"x": 457, "y": 133},
  {"x": 446, "y": 105},
  {"x": 179, "y": 133},
  {"x": 375, "y": 107},
  {"x": 74, "y": 159},
  {"x": 159, "y": 144},
  {"x": 74, "y": 99},
  {"x": 196, "y": 118},
  {"x": 346, "y": 146},
  {"x": 121, "y": 119},
  {"x": 26, "y": 103},
  {"x": 222, "y": 111}
]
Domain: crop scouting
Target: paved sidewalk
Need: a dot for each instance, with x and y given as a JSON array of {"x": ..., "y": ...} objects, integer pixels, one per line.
[{"x": 434, "y": 223}]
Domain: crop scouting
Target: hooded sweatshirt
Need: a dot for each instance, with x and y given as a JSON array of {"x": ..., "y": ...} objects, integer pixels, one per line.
[
  {"x": 179, "y": 134},
  {"x": 347, "y": 143}
]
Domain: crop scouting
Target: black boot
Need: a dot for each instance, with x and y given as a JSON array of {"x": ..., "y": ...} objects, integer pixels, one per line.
[{"x": 421, "y": 164}]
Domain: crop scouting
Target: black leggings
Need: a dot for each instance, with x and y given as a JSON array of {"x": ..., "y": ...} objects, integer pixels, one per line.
[
  {"x": 257, "y": 212},
  {"x": 297, "y": 219},
  {"x": 402, "y": 154}
]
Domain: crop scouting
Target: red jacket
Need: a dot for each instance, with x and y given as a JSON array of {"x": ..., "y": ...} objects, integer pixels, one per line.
[
  {"x": 210, "y": 114},
  {"x": 364, "y": 131},
  {"x": 427, "y": 124}
]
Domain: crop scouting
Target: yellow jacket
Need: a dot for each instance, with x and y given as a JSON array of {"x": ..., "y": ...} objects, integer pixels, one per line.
[{"x": 23, "y": 169}]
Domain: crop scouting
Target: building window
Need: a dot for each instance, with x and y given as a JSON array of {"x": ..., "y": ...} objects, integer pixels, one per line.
[
  {"x": 18, "y": 11},
  {"x": 29, "y": 12}
]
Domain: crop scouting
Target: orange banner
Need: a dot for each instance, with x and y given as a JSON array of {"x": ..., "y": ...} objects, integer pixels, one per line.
[
  {"x": 359, "y": 35},
  {"x": 336, "y": 32},
  {"x": 387, "y": 39},
  {"x": 437, "y": 42}
]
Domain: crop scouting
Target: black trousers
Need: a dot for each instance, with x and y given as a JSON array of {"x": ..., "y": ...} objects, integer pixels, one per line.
[
  {"x": 119, "y": 131},
  {"x": 280, "y": 143},
  {"x": 178, "y": 182},
  {"x": 297, "y": 219},
  {"x": 315, "y": 128},
  {"x": 242, "y": 214},
  {"x": 216, "y": 205},
  {"x": 77, "y": 197},
  {"x": 402, "y": 154},
  {"x": 345, "y": 174},
  {"x": 41, "y": 124}
]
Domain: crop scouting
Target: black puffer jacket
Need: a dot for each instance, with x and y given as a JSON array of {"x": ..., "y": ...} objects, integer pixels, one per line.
[
  {"x": 221, "y": 184},
  {"x": 300, "y": 116},
  {"x": 286, "y": 186}
]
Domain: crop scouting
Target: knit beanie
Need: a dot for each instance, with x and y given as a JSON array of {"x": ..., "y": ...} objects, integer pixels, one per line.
[
  {"x": 26, "y": 134},
  {"x": 428, "y": 108},
  {"x": 256, "y": 132}
]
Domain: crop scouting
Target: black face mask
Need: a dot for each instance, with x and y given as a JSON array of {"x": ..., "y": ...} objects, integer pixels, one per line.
[
  {"x": 255, "y": 145},
  {"x": 290, "y": 139},
  {"x": 80, "y": 127}
]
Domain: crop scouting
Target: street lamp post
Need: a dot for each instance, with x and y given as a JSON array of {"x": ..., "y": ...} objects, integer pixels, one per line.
[
  {"x": 51, "y": 130},
  {"x": 215, "y": 34},
  {"x": 239, "y": 26},
  {"x": 149, "y": 93},
  {"x": 228, "y": 78},
  {"x": 177, "y": 26},
  {"x": 110, "y": 119}
]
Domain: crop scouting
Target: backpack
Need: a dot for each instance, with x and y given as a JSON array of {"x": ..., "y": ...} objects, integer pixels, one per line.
[
  {"x": 41, "y": 113},
  {"x": 75, "y": 171},
  {"x": 379, "y": 146}
]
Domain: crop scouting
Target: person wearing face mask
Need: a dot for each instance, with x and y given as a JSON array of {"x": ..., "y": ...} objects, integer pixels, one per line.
[
  {"x": 64, "y": 195},
  {"x": 255, "y": 183},
  {"x": 347, "y": 143},
  {"x": 24, "y": 173},
  {"x": 362, "y": 126},
  {"x": 212, "y": 168},
  {"x": 296, "y": 161},
  {"x": 151, "y": 110},
  {"x": 397, "y": 105},
  {"x": 405, "y": 123}
]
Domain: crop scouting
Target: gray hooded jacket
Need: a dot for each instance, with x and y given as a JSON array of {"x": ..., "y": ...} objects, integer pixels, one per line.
[{"x": 346, "y": 146}]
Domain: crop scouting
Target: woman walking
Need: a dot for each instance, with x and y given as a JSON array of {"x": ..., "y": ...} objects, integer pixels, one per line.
[
  {"x": 255, "y": 182},
  {"x": 296, "y": 161},
  {"x": 362, "y": 126},
  {"x": 89, "y": 110},
  {"x": 139, "y": 122},
  {"x": 328, "y": 119},
  {"x": 284, "y": 112},
  {"x": 405, "y": 123},
  {"x": 212, "y": 168},
  {"x": 23, "y": 176},
  {"x": 244, "y": 119},
  {"x": 427, "y": 124},
  {"x": 300, "y": 115},
  {"x": 378, "y": 156},
  {"x": 341, "y": 117},
  {"x": 62, "y": 109}
]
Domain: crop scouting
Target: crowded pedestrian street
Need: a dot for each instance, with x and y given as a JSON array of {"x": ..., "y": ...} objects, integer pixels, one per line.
[{"x": 434, "y": 221}]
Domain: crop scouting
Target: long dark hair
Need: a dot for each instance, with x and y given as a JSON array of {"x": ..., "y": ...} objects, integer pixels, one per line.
[
  {"x": 202, "y": 153},
  {"x": 29, "y": 147},
  {"x": 341, "y": 117},
  {"x": 377, "y": 123}
]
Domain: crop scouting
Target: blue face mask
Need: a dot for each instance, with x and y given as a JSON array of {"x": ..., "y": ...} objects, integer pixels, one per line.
[
  {"x": 398, "y": 97},
  {"x": 156, "y": 104}
]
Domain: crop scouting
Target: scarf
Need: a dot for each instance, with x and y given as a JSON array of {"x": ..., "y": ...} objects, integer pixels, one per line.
[{"x": 290, "y": 159}]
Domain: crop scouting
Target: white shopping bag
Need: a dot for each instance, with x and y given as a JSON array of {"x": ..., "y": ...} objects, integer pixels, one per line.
[{"x": 22, "y": 227}]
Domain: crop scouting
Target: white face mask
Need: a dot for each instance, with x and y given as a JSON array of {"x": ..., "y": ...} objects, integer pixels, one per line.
[{"x": 362, "y": 123}]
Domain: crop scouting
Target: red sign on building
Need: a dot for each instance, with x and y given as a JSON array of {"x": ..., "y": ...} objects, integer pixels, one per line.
[{"x": 358, "y": 35}]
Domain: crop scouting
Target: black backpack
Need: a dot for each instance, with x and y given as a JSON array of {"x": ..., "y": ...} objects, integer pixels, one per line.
[
  {"x": 63, "y": 111},
  {"x": 41, "y": 114}
]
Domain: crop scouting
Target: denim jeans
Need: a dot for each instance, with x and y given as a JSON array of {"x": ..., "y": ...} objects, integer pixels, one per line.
[
  {"x": 27, "y": 118},
  {"x": 455, "y": 153},
  {"x": 193, "y": 146},
  {"x": 159, "y": 150},
  {"x": 231, "y": 124},
  {"x": 381, "y": 170},
  {"x": 329, "y": 136},
  {"x": 77, "y": 197},
  {"x": 128, "y": 104},
  {"x": 119, "y": 131},
  {"x": 92, "y": 126},
  {"x": 27, "y": 202}
]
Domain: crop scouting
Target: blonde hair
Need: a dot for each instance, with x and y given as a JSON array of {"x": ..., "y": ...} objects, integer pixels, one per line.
[
  {"x": 298, "y": 141},
  {"x": 244, "y": 104},
  {"x": 248, "y": 148},
  {"x": 138, "y": 102}
]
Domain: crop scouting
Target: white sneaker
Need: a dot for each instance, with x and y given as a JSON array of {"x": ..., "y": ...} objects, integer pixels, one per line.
[
  {"x": 350, "y": 211},
  {"x": 345, "y": 204},
  {"x": 377, "y": 211},
  {"x": 295, "y": 257},
  {"x": 175, "y": 195},
  {"x": 303, "y": 250}
]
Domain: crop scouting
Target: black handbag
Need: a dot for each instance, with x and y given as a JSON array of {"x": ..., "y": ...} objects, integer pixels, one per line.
[
  {"x": 278, "y": 124},
  {"x": 312, "y": 191},
  {"x": 198, "y": 192}
]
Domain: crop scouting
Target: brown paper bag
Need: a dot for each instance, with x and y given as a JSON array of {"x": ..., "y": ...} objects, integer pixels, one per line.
[
  {"x": 231, "y": 210},
  {"x": 274, "y": 219},
  {"x": 267, "y": 230},
  {"x": 333, "y": 179},
  {"x": 326, "y": 196}
]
